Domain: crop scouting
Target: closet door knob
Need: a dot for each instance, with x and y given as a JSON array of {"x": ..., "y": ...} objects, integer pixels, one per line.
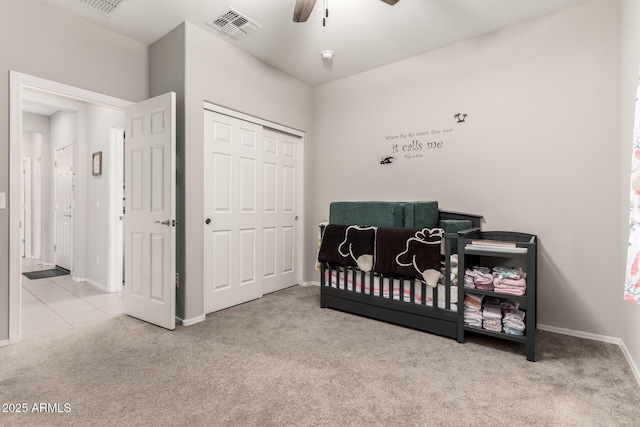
[{"x": 207, "y": 221}]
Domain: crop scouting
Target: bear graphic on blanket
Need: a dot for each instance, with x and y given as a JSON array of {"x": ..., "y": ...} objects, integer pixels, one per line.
[
  {"x": 350, "y": 245},
  {"x": 409, "y": 252}
]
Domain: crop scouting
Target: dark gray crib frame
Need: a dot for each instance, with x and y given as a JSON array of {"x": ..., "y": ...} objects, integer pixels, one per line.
[{"x": 440, "y": 321}]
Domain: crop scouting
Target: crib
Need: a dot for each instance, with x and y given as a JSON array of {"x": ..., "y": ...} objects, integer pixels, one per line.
[{"x": 398, "y": 299}]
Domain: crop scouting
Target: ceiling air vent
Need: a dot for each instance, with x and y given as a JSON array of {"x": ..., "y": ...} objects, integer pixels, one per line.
[
  {"x": 234, "y": 24},
  {"x": 104, "y": 6}
]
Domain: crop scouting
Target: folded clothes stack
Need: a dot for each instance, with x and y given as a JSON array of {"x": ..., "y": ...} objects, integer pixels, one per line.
[
  {"x": 509, "y": 280},
  {"x": 492, "y": 318},
  {"x": 509, "y": 272},
  {"x": 509, "y": 286},
  {"x": 513, "y": 322},
  {"x": 473, "y": 310},
  {"x": 478, "y": 278}
]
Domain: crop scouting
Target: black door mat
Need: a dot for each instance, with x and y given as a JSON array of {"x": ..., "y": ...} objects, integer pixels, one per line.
[{"x": 43, "y": 274}]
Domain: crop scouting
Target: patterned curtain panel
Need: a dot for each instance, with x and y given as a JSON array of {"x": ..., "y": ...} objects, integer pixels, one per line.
[{"x": 632, "y": 282}]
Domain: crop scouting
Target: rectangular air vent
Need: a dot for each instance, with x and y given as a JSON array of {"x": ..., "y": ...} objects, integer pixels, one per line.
[
  {"x": 103, "y": 6},
  {"x": 234, "y": 24}
]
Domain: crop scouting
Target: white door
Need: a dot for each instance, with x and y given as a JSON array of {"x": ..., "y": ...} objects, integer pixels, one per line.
[
  {"x": 233, "y": 205},
  {"x": 150, "y": 210},
  {"x": 63, "y": 207},
  {"x": 282, "y": 175}
]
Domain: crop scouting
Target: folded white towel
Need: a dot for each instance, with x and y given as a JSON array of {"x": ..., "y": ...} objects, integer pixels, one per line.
[{"x": 491, "y": 312}]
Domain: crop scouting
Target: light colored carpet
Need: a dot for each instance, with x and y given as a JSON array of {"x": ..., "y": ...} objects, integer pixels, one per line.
[{"x": 282, "y": 360}]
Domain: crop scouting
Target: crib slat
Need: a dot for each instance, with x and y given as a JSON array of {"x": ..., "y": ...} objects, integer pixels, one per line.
[
  {"x": 412, "y": 290},
  {"x": 434, "y": 301},
  {"x": 424, "y": 294}
]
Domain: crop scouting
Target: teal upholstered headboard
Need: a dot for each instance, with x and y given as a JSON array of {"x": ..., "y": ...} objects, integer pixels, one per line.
[
  {"x": 402, "y": 214},
  {"x": 379, "y": 214},
  {"x": 421, "y": 214},
  {"x": 385, "y": 214}
]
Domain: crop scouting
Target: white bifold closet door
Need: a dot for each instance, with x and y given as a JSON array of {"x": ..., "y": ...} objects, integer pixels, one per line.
[{"x": 249, "y": 209}]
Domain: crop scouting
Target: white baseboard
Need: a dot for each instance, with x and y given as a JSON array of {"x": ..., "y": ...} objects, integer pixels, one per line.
[
  {"x": 4, "y": 343},
  {"x": 632, "y": 364},
  {"x": 312, "y": 283},
  {"x": 580, "y": 334},
  {"x": 596, "y": 337},
  {"x": 96, "y": 284},
  {"x": 192, "y": 321}
]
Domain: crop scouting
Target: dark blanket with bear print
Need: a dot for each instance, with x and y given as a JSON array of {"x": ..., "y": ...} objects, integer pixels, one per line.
[
  {"x": 409, "y": 252},
  {"x": 348, "y": 245}
]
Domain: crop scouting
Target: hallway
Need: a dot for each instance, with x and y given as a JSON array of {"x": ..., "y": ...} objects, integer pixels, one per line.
[{"x": 58, "y": 303}]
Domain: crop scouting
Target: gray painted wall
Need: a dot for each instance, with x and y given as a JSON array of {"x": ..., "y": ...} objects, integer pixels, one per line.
[
  {"x": 58, "y": 46},
  {"x": 534, "y": 155}
]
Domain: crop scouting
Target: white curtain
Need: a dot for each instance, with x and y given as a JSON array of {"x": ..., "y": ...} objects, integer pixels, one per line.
[{"x": 632, "y": 281}]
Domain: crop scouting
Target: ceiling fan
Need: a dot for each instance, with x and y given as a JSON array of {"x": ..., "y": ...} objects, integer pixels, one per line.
[{"x": 303, "y": 9}]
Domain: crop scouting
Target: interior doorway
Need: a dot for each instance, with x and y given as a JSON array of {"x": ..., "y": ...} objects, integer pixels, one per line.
[{"x": 75, "y": 203}]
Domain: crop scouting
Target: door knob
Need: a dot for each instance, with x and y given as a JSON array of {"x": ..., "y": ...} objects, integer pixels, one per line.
[
  {"x": 167, "y": 222},
  {"x": 207, "y": 221}
]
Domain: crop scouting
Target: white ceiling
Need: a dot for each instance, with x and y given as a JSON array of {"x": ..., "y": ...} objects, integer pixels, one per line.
[{"x": 364, "y": 34}]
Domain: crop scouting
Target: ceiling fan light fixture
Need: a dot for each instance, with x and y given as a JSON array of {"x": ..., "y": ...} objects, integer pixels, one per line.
[{"x": 327, "y": 55}]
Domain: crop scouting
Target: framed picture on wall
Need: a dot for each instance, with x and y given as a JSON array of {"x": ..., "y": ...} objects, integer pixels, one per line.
[{"x": 96, "y": 164}]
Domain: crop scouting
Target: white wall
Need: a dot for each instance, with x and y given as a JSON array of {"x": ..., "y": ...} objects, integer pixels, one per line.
[
  {"x": 630, "y": 325},
  {"x": 44, "y": 41},
  {"x": 100, "y": 121},
  {"x": 217, "y": 72},
  {"x": 534, "y": 155}
]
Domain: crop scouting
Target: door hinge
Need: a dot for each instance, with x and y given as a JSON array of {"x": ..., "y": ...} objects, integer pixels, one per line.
[
  {"x": 177, "y": 280},
  {"x": 55, "y": 248}
]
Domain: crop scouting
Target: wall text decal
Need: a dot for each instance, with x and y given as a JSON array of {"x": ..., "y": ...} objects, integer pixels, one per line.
[{"x": 414, "y": 145}]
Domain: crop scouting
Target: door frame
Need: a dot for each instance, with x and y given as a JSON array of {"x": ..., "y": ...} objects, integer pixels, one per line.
[
  {"x": 116, "y": 195},
  {"x": 301, "y": 195},
  {"x": 18, "y": 82}
]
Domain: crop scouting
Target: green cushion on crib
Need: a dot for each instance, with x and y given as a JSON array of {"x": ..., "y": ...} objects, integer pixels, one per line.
[
  {"x": 378, "y": 214},
  {"x": 409, "y": 214},
  {"x": 454, "y": 225},
  {"x": 425, "y": 215}
]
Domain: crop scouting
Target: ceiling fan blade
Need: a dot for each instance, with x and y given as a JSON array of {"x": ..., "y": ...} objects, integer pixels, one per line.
[
  {"x": 391, "y": 2},
  {"x": 303, "y": 9}
]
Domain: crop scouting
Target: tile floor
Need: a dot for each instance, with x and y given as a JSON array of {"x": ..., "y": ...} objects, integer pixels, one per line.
[{"x": 57, "y": 303}]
